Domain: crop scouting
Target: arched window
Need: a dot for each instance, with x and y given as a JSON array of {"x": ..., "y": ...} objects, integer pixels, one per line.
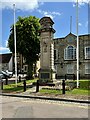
[{"x": 70, "y": 53}]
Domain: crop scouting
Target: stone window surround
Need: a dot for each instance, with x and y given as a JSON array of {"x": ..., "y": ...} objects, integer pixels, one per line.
[
  {"x": 87, "y": 68},
  {"x": 65, "y": 50},
  {"x": 86, "y": 54}
]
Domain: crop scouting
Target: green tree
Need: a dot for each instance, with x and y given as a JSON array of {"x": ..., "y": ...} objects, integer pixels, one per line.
[{"x": 27, "y": 40}]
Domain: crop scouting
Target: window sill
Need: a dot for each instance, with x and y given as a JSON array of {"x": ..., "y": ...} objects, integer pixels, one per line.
[
  {"x": 87, "y": 73},
  {"x": 87, "y": 59},
  {"x": 70, "y": 60}
]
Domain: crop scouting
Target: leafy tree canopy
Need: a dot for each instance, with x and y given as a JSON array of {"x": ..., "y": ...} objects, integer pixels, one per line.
[{"x": 27, "y": 38}]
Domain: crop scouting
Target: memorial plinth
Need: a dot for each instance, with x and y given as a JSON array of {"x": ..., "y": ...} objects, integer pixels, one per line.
[{"x": 47, "y": 71}]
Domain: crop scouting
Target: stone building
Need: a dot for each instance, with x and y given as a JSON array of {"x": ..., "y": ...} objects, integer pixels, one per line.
[
  {"x": 22, "y": 67},
  {"x": 65, "y": 59}
]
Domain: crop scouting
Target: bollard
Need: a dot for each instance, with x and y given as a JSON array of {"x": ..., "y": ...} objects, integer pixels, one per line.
[
  {"x": 24, "y": 83},
  {"x": 37, "y": 86},
  {"x": 6, "y": 80},
  {"x": 63, "y": 87},
  {"x": 1, "y": 84},
  {"x": 19, "y": 78}
]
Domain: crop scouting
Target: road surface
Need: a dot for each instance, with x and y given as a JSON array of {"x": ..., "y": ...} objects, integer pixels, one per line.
[{"x": 13, "y": 107}]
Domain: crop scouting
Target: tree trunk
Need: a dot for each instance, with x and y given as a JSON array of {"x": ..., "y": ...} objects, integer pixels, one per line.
[{"x": 30, "y": 71}]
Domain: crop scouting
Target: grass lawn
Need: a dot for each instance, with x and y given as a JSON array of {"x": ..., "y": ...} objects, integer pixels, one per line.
[
  {"x": 70, "y": 92},
  {"x": 84, "y": 88},
  {"x": 18, "y": 88},
  {"x": 79, "y": 92}
]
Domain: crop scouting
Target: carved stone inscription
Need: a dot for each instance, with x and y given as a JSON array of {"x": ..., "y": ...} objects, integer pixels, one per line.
[
  {"x": 45, "y": 47},
  {"x": 45, "y": 75}
]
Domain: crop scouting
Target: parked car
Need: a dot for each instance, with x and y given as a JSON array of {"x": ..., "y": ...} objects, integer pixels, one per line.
[
  {"x": 1, "y": 76},
  {"x": 10, "y": 73},
  {"x": 6, "y": 73}
]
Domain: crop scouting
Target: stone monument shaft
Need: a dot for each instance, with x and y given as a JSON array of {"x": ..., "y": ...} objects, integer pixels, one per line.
[{"x": 47, "y": 71}]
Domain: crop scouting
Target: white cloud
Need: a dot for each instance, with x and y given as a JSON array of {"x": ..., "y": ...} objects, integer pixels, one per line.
[
  {"x": 3, "y": 48},
  {"x": 80, "y": 2},
  {"x": 79, "y": 24},
  {"x": 20, "y": 4},
  {"x": 48, "y": 13},
  {"x": 56, "y": 0},
  {"x": 74, "y": 5},
  {"x": 32, "y": 4},
  {"x": 6, "y": 43}
]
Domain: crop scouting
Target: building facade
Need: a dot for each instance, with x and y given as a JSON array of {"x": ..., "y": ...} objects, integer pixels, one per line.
[
  {"x": 22, "y": 67},
  {"x": 6, "y": 62},
  {"x": 65, "y": 59}
]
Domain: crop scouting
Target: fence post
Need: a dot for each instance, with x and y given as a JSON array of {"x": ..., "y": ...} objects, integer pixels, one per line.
[
  {"x": 24, "y": 83},
  {"x": 37, "y": 86},
  {"x": 63, "y": 86}
]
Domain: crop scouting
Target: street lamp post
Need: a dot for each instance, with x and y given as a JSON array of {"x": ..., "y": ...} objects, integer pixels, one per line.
[{"x": 15, "y": 46}]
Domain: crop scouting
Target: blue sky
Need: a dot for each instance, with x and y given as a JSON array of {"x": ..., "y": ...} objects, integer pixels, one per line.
[{"x": 60, "y": 12}]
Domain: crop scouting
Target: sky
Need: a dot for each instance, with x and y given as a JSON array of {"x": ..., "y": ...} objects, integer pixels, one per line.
[{"x": 59, "y": 11}]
